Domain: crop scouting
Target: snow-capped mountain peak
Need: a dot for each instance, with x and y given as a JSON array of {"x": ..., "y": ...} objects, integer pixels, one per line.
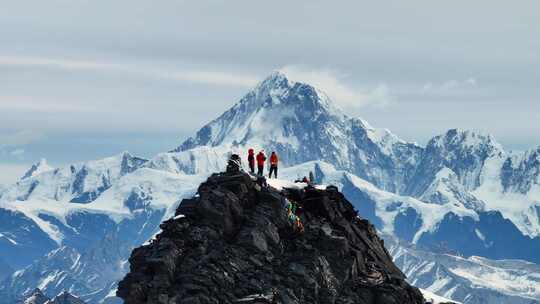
[
  {"x": 268, "y": 113},
  {"x": 275, "y": 88},
  {"x": 271, "y": 84},
  {"x": 78, "y": 183},
  {"x": 37, "y": 168},
  {"x": 301, "y": 124},
  {"x": 464, "y": 152},
  {"x": 467, "y": 139}
]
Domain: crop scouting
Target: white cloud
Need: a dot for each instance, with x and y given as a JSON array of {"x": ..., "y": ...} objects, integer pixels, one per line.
[
  {"x": 19, "y": 138},
  {"x": 212, "y": 77},
  {"x": 17, "y": 152},
  {"x": 471, "y": 81},
  {"x": 10, "y": 173},
  {"x": 333, "y": 85},
  {"x": 42, "y": 105},
  {"x": 16, "y": 61},
  {"x": 202, "y": 76},
  {"x": 450, "y": 85}
]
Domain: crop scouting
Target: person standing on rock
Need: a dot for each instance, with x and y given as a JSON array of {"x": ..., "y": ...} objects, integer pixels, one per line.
[
  {"x": 251, "y": 161},
  {"x": 273, "y": 165},
  {"x": 234, "y": 165},
  {"x": 261, "y": 158}
]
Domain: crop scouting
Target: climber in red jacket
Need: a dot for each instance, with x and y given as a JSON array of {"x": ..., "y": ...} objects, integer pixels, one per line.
[
  {"x": 251, "y": 160},
  {"x": 261, "y": 158},
  {"x": 273, "y": 164}
]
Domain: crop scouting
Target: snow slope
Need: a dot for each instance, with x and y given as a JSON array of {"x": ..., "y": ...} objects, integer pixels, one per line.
[
  {"x": 435, "y": 299},
  {"x": 163, "y": 190},
  {"x": 521, "y": 206}
]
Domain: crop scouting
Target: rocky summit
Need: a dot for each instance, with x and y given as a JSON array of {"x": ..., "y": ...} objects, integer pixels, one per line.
[{"x": 234, "y": 242}]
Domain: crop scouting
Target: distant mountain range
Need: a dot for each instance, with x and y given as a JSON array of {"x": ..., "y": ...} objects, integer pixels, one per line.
[
  {"x": 468, "y": 280},
  {"x": 462, "y": 194},
  {"x": 37, "y": 297}
]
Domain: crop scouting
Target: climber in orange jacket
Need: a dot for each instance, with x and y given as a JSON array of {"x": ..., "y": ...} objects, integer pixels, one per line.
[
  {"x": 261, "y": 158},
  {"x": 273, "y": 164}
]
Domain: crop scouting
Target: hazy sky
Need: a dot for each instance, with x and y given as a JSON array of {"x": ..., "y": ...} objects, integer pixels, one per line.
[{"x": 83, "y": 79}]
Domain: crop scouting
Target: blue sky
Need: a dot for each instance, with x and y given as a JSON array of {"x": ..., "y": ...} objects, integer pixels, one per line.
[{"x": 84, "y": 79}]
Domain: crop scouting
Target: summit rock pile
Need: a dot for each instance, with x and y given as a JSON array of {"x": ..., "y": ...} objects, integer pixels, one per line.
[{"x": 233, "y": 243}]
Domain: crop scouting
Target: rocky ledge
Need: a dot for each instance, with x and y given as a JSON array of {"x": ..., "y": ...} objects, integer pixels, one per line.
[{"x": 235, "y": 243}]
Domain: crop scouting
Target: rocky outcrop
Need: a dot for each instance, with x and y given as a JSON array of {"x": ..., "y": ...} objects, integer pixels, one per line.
[
  {"x": 65, "y": 298},
  {"x": 37, "y": 297},
  {"x": 233, "y": 243}
]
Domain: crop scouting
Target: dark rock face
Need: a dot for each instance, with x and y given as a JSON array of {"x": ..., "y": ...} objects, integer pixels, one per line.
[
  {"x": 65, "y": 298},
  {"x": 236, "y": 244},
  {"x": 36, "y": 297}
]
